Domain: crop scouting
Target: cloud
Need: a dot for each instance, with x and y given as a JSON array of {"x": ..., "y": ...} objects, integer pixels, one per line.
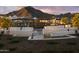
[
  {"x": 58, "y": 9},
  {"x": 7, "y": 9},
  {"x": 46, "y": 10}
]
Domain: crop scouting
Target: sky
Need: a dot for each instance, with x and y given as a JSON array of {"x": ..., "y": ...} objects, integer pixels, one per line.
[
  {"x": 47, "y": 9},
  {"x": 59, "y": 9}
]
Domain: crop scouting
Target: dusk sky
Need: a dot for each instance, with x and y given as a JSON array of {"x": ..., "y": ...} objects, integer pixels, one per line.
[{"x": 47, "y": 9}]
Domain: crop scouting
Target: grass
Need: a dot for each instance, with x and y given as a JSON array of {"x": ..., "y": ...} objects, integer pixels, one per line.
[
  {"x": 12, "y": 49},
  {"x": 75, "y": 35},
  {"x": 1, "y": 45},
  {"x": 15, "y": 44},
  {"x": 71, "y": 43},
  {"x": 69, "y": 51},
  {"x": 52, "y": 43},
  {"x": 14, "y": 41}
]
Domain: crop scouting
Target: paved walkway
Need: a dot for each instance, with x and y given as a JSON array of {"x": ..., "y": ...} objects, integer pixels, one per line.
[
  {"x": 69, "y": 36},
  {"x": 37, "y": 35}
]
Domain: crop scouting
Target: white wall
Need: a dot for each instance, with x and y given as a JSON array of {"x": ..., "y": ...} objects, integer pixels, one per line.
[
  {"x": 57, "y": 30},
  {"x": 17, "y": 31}
]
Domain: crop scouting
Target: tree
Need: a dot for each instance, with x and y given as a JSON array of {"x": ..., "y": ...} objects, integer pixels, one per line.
[
  {"x": 53, "y": 20},
  {"x": 5, "y": 22},
  {"x": 75, "y": 21},
  {"x": 64, "y": 20}
]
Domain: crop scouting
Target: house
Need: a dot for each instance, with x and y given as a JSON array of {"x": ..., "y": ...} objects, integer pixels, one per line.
[
  {"x": 55, "y": 21},
  {"x": 40, "y": 23},
  {"x": 22, "y": 22}
]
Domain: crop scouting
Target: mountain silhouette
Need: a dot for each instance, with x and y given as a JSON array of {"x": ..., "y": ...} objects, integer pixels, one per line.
[{"x": 30, "y": 12}]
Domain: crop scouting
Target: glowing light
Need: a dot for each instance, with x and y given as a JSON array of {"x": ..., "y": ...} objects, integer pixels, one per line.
[{"x": 45, "y": 21}]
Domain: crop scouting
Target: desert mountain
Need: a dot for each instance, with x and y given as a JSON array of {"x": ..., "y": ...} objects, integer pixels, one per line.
[{"x": 30, "y": 12}]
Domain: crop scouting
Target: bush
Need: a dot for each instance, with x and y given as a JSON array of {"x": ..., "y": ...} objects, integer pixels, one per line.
[{"x": 14, "y": 41}]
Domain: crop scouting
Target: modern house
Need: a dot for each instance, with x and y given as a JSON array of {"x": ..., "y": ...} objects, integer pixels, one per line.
[
  {"x": 29, "y": 22},
  {"x": 22, "y": 21},
  {"x": 40, "y": 23}
]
